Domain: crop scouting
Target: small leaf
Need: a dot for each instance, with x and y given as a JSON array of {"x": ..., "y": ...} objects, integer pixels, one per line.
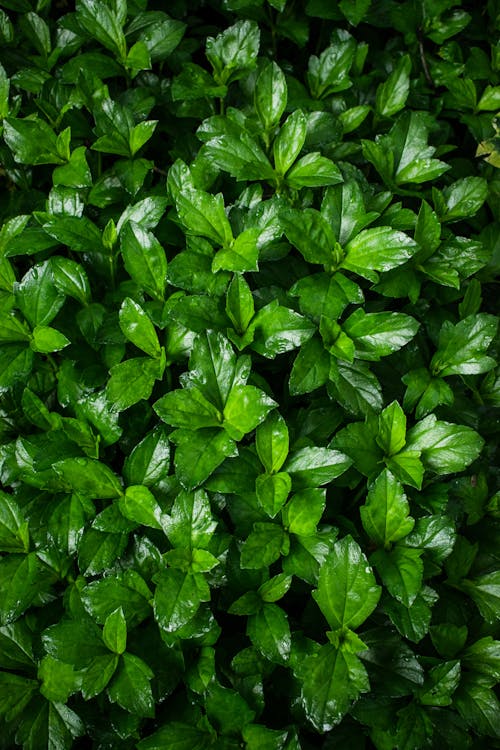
[
  {"x": 393, "y": 93},
  {"x": 138, "y": 328},
  {"x": 114, "y": 633},
  {"x": 304, "y": 511}
]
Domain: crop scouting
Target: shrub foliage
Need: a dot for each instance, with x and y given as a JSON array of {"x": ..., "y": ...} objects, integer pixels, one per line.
[{"x": 249, "y": 257}]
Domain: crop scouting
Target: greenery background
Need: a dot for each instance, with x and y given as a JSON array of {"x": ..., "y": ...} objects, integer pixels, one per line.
[{"x": 249, "y": 392}]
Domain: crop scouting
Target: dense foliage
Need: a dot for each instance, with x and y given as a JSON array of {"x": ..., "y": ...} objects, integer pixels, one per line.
[{"x": 249, "y": 256}]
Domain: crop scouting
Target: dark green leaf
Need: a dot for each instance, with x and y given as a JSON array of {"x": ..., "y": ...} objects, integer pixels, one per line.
[
  {"x": 347, "y": 593},
  {"x": 130, "y": 686},
  {"x": 199, "y": 453},
  {"x": 333, "y": 679},
  {"x": 385, "y": 515}
]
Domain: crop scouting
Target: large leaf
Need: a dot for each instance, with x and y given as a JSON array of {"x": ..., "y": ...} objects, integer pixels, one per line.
[
  {"x": 347, "y": 593},
  {"x": 333, "y": 679}
]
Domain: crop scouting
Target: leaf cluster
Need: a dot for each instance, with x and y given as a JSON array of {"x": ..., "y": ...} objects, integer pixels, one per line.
[{"x": 249, "y": 375}]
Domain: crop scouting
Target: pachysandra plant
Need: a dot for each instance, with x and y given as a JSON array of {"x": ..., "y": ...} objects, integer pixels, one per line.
[{"x": 249, "y": 381}]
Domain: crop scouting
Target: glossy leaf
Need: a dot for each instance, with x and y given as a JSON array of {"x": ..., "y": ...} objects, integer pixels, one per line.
[
  {"x": 385, "y": 515},
  {"x": 349, "y": 604}
]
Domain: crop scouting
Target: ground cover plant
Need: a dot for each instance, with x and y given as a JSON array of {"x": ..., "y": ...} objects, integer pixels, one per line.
[{"x": 249, "y": 256}]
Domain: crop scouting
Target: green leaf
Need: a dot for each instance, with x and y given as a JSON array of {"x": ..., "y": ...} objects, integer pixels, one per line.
[
  {"x": 75, "y": 642},
  {"x": 204, "y": 215},
  {"x": 138, "y": 328},
  {"x": 130, "y": 687},
  {"x": 263, "y": 546},
  {"x": 329, "y": 73},
  {"x": 37, "y": 296},
  {"x": 347, "y": 593},
  {"x": 258, "y": 737},
  {"x": 16, "y": 646},
  {"x": 76, "y": 173},
  {"x": 272, "y": 491},
  {"x": 403, "y": 154},
  {"x": 311, "y": 234},
  {"x": 313, "y": 170},
  {"x": 240, "y": 156},
  {"x": 463, "y": 198},
  {"x": 242, "y": 254},
  {"x": 177, "y": 736},
  {"x": 441, "y": 683},
  {"x": 392, "y": 429},
  {"x": 131, "y": 381},
  {"x": 289, "y": 142},
  {"x": 310, "y": 369},
  {"x": 485, "y": 592},
  {"x": 214, "y": 368},
  {"x": 114, "y": 633},
  {"x": 322, "y": 294},
  {"x": 77, "y": 232},
  {"x": 4, "y": 93},
  {"x": 355, "y": 387},
  {"x": 162, "y": 37},
  {"x": 269, "y": 632},
  {"x": 270, "y": 95},
  {"x": 106, "y": 594},
  {"x": 275, "y": 588},
  {"x": 378, "y": 249},
  {"x": 32, "y": 141},
  {"x": 401, "y": 571},
  {"x": 97, "y": 675},
  {"x": 149, "y": 461},
  {"x": 304, "y": 511},
  {"x": 187, "y": 408},
  {"x": 385, "y": 515},
  {"x": 427, "y": 228},
  {"x": 234, "y": 51},
  {"x": 88, "y": 477},
  {"x": 199, "y": 453},
  {"x": 479, "y": 707},
  {"x": 98, "y": 551},
  {"x": 246, "y": 407},
  {"x": 177, "y": 599},
  {"x": 22, "y": 579},
  {"x": 412, "y": 622},
  {"x": 462, "y": 347},
  {"x": 344, "y": 207},
  {"x": 105, "y": 24},
  {"x": 483, "y": 656},
  {"x": 191, "y": 523},
  {"x": 71, "y": 279},
  {"x": 271, "y": 441},
  {"x": 377, "y": 335},
  {"x": 239, "y": 303},
  {"x": 445, "y": 448},
  {"x": 46, "y": 339},
  {"x": 227, "y": 710},
  {"x": 16, "y": 693},
  {"x": 354, "y": 11},
  {"x": 140, "y": 505},
  {"x": 49, "y": 724},
  {"x": 333, "y": 679},
  {"x": 14, "y": 531},
  {"x": 393, "y": 93},
  {"x": 144, "y": 259},
  {"x": 310, "y": 467}
]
